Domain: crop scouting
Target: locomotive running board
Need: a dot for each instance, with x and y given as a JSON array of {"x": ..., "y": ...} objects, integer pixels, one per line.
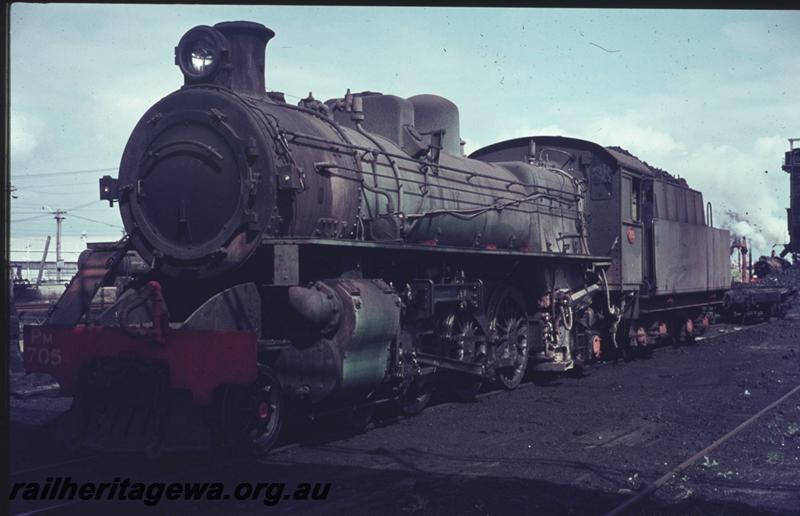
[
  {"x": 288, "y": 254},
  {"x": 599, "y": 261}
]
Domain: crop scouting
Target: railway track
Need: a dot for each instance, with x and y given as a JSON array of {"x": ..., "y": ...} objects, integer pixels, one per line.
[
  {"x": 642, "y": 495},
  {"x": 91, "y": 462}
]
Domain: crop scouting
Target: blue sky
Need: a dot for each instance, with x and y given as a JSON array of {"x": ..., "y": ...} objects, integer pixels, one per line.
[{"x": 708, "y": 95}]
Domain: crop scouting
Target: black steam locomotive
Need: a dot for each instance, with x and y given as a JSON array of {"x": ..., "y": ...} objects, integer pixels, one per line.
[{"x": 331, "y": 256}]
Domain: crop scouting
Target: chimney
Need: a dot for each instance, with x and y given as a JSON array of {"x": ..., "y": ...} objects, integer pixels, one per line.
[{"x": 248, "y": 45}]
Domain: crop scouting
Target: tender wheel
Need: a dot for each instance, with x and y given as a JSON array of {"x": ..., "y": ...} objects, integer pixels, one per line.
[
  {"x": 687, "y": 331},
  {"x": 704, "y": 324},
  {"x": 417, "y": 396},
  {"x": 509, "y": 321},
  {"x": 640, "y": 342},
  {"x": 664, "y": 338},
  {"x": 596, "y": 347},
  {"x": 268, "y": 412}
]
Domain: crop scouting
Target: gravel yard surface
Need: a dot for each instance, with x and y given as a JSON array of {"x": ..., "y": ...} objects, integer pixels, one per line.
[{"x": 560, "y": 445}]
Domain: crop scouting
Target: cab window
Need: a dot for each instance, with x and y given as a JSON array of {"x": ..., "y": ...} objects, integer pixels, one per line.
[
  {"x": 635, "y": 199},
  {"x": 601, "y": 185}
]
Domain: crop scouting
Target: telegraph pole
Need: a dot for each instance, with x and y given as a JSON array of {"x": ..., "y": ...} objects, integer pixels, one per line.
[{"x": 59, "y": 216}]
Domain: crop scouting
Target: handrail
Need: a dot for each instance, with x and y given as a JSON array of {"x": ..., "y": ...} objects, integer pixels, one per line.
[
  {"x": 709, "y": 215},
  {"x": 296, "y": 135}
]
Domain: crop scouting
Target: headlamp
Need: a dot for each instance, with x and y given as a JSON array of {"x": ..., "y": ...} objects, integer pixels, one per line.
[{"x": 200, "y": 53}]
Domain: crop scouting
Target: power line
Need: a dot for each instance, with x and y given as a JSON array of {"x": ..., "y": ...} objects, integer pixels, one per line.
[
  {"x": 88, "y": 210},
  {"x": 31, "y": 210},
  {"x": 17, "y": 177},
  {"x": 96, "y": 221},
  {"x": 66, "y": 183},
  {"x": 116, "y": 226},
  {"x": 95, "y": 206},
  {"x": 31, "y": 218},
  {"x": 83, "y": 205},
  {"x": 55, "y": 185}
]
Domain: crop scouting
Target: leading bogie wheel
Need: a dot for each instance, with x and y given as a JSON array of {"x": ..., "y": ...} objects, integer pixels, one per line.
[
  {"x": 267, "y": 412},
  {"x": 417, "y": 396}
]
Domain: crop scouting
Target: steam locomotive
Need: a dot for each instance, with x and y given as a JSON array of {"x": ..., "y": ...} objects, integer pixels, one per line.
[{"x": 328, "y": 257}]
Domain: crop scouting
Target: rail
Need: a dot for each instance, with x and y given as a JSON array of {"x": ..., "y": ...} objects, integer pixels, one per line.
[{"x": 666, "y": 477}]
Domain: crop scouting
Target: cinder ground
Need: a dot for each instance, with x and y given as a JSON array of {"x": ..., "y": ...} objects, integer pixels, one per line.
[{"x": 566, "y": 446}]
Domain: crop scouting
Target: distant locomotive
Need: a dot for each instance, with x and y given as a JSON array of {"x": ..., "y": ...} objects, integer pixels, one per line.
[
  {"x": 791, "y": 165},
  {"x": 333, "y": 256}
]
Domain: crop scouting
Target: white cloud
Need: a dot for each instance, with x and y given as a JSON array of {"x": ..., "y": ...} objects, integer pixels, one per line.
[
  {"x": 547, "y": 130},
  {"x": 628, "y": 132},
  {"x": 746, "y": 200},
  {"x": 625, "y": 131},
  {"x": 754, "y": 36},
  {"x": 770, "y": 145},
  {"x": 24, "y": 134}
]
